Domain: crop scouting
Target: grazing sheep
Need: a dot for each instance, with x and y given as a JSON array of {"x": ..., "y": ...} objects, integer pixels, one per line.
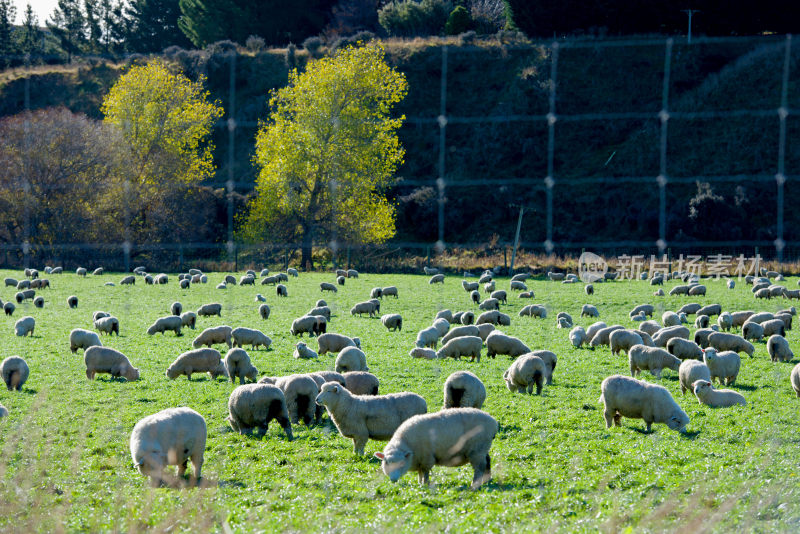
[
  {"x": 594, "y": 328},
  {"x": 665, "y": 334},
  {"x": 169, "y": 322},
  {"x": 162, "y": 279},
  {"x": 447, "y": 315},
  {"x": 524, "y": 373},
  {"x": 602, "y": 335},
  {"x": 361, "y": 382},
  {"x": 494, "y": 317},
  {"x": 730, "y": 342},
  {"x": 23, "y": 284},
  {"x": 550, "y": 360},
  {"x": 350, "y": 359},
  {"x": 83, "y": 339},
  {"x": 149, "y": 280},
  {"x": 489, "y": 287},
  {"x": 461, "y": 331},
  {"x": 300, "y": 392},
  {"x": 11, "y": 282},
  {"x": 701, "y": 336},
  {"x": 463, "y": 389},
  {"x": 725, "y": 321},
  {"x": 427, "y": 354},
  {"x": 752, "y": 331},
  {"x": 281, "y": 290},
  {"x": 212, "y": 336},
  {"x": 533, "y": 310},
  {"x": 128, "y": 280},
  {"x": 651, "y": 327},
  {"x": 794, "y": 379},
  {"x": 647, "y": 309},
  {"x": 301, "y": 350},
  {"x": 237, "y": 364},
  {"x": 701, "y": 321},
  {"x": 72, "y": 301},
  {"x": 653, "y": 359},
  {"x": 392, "y": 321},
  {"x": 107, "y": 325},
  {"x": 80, "y": 271},
  {"x": 778, "y": 349},
  {"x": 197, "y": 361},
  {"x": 38, "y": 302},
  {"x": 773, "y": 326},
  {"x": 272, "y": 280},
  {"x": 475, "y": 296},
  {"x": 247, "y": 280},
  {"x": 684, "y": 349},
  {"x": 679, "y": 290},
  {"x": 739, "y": 317},
  {"x": 96, "y": 316},
  {"x": 430, "y": 270},
  {"x": 436, "y": 279},
  {"x": 500, "y": 296},
  {"x": 485, "y": 278},
  {"x": 791, "y": 293},
  {"x": 723, "y": 366},
  {"x": 587, "y": 310},
  {"x": 107, "y": 360},
  {"x": 646, "y": 339},
  {"x": 520, "y": 277},
  {"x": 389, "y": 291},
  {"x": 690, "y": 309},
  {"x": 376, "y": 293},
  {"x": 484, "y": 330},
  {"x": 470, "y": 286},
  {"x": 352, "y": 273},
  {"x": 697, "y": 290},
  {"x": 327, "y": 376},
  {"x": 500, "y": 343},
  {"x": 207, "y": 310},
  {"x": 361, "y": 308},
  {"x": 467, "y": 318},
  {"x": 336, "y": 342},
  {"x": 326, "y": 286},
  {"x": 291, "y": 271},
  {"x": 25, "y": 326},
  {"x": 189, "y": 319},
  {"x": 786, "y": 318},
  {"x": 451, "y": 438},
  {"x": 14, "y": 371},
  {"x": 691, "y": 371},
  {"x": 364, "y": 417},
  {"x": 489, "y": 304},
  {"x": 628, "y": 397},
  {"x": 242, "y": 336},
  {"x": 322, "y": 311},
  {"x": 716, "y": 398},
  {"x": 254, "y": 406},
  {"x": 763, "y": 293},
  {"x": 670, "y": 319},
  {"x": 526, "y": 295},
  {"x": 658, "y": 293},
  {"x": 170, "y": 437},
  {"x": 623, "y": 340},
  {"x": 468, "y": 346},
  {"x": 589, "y": 289},
  {"x": 710, "y": 310},
  {"x": 555, "y": 277},
  {"x": 577, "y": 336}
]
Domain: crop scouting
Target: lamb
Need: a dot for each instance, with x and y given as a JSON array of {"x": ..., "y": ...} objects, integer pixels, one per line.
[
  {"x": 716, "y": 398},
  {"x": 653, "y": 359},
  {"x": 107, "y": 325},
  {"x": 336, "y": 342},
  {"x": 327, "y": 286},
  {"x": 436, "y": 279},
  {"x": 691, "y": 371},
  {"x": 665, "y": 334},
  {"x": 587, "y": 310},
  {"x": 365, "y": 417},
  {"x": 577, "y": 336},
  {"x": 602, "y": 335},
  {"x": 493, "y": 317},
  {"x": 392, "y": 322},
  {"x": 524, "y": 373},
  {"x": 107, "y": 360},
  {"x": 670, "y": 319},
  {"x": 169, "y": 322},
  {"x": 533, "y": 310},
  {"x": 526, "y": 295},
  {"x": 25, "y": 326},
  {"x": 778, "y": 349},
  {"x": 170, "y": 437},
  {"x": 500, "y": 343},
  {"x": 452, "y": 438},
  {"x": 725, "y": 321},
  {"x": 684, "y": 349},
  {"x": 197, "y": 361},
  {"x": 730, "y": 342},
  {"x": 242, "y": 336},
  {"x": 213, "y": 335},
  {"x": 14, "y": 371},
  {"x": 723, "y": 366},
  {"x": 623, "y": 340},
  {"x": 752, "y": 331},
  {"x": 367, "y": 307},
  {"x": 794, "y": 379},
  {"x": 463, "y": 389},
  {"x": 710, "y": 310},
  {"x": 739, "y": 317},
  {"x": 701, "y": 321},
  {"x": 351, "y": 359},
  {"x": 468, "y": 346},
  {"x": 207, "y": 310},
  {"x": 361, "y": 383},
  {"x": 427, "y": 354},
  {"x": 628, "y": 397}
]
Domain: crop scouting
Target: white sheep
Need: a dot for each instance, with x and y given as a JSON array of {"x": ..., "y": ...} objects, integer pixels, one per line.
[
  {"x": 752, "y": 331},
  {"x": 723, "y": 366},
  {"x": 14, "y": 371},
  {"x": 254, "y": 406},
  {"x": 602, "y": 336},
  {"x": 577, "y": 336},
  {"x": 701, "y": 321},
  {"x": 463, "y": 389},
  {"x": 774, "y": 326},
  {"x": 291, "y": 271},
  {"x": 352, "y": 273},
  {"x": 451, "y": 438},
  {"x": 684, "y": 349},
  {"x": 351, "y": 359},
  {"x": 691, "y": 371},
  {"x": 494, "y": 317},
  {"x": 778, "y": 349},
  {"x": 794, "y": 379},
  {"x": 587, "y": 310},
  {"x": 468, "y": 346},
  {"x": 594, "y": 328},
  {"x": 526, "y": 295},
  {"x": 197, "y": 361},
  {"x": 710, "y": 310},
  {"x": 300, "y": 392},
  {"x": 25, "y": 326},
  {"x": 716, "y": 398},
  {"x": 107, "y": 325},
  {"x": 301, "y": 351},
  {"x": 647, "y": 309},
  {"x": 730, "y": 342},
  {"x": 533, "y": 310},
  {"x": 363, "y": 417},
  {"x": 427, "y": 354},
  {"x": 436, "y": 279},
  {"x": 460, "y": 331},
  {"x": 189, "y": 319},
  {"x": 107, "y": 360},
  {"x": 237, "y": 364},
  {"x": 72, "y": 301},
  {"x": 661, "y": 337},
  {"x": 623, "y": 396},
  {"x": 467, "y": 318},
  {"x": 170, "y": 437},
  {"x": 336, "y": 342},
  {"x": 670, "y": 318},
  {"x": 392, "y": 322},
  {"x": 499, "y": 343},
  {"x": 524, "y": 373},
  {"x": 361, "y": 308},
  {"x": 176, "y": 308},
  {"x": 441, "y": 325},
  {"x": 207, "y": 310},
  {"x": 623, "y": 340},
  {"x": 242, "y": 336},
  {"x": 550, "y": 360},
  {"x": 304, "y": 325},
  {"x": 162, "y": 324},
  {"x": 489, "y": 287},
  {"x": 361, "y": 383},
  {"x": 430, "y": 270},
  {"x": 83, "y": 339},
  {"x": 470, "y": 286},
  {"x": 653, "y": 359},
  {"x": 725, "y": 321},
  {"x": 475, "y": 297},
  {"x": 212, "y": 336}
]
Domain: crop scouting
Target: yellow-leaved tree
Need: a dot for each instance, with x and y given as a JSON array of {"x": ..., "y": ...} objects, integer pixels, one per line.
[{"x": 327, "y": 153}]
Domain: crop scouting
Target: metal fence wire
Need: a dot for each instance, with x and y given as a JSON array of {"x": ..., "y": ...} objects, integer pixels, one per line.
[{"x": 550, "y": 187}]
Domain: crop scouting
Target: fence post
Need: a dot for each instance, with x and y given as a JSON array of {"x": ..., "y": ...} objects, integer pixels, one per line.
[
  {"x": 756, "y": 270},
  {"x": 348, "y": 257},
  {"x": 235, "y": 258},
  {"x": 428, "y": 251}
]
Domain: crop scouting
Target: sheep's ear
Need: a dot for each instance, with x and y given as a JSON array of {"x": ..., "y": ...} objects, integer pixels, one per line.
[
  {"x": 336, "y": 389},
  {"x": 380, "y": 455}
]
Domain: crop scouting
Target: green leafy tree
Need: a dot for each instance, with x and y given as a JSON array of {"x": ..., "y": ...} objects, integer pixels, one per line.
[
  {"x": 155, "y": 25},
  {"x": 8, "y": 12},
  {"x": 94, "y": 30},
  {"x": 458, "y": 22},
  {"x": 67, "y": 24},
  {"x": 31, "y": 34},
  {"x": 327, "y": 152}
]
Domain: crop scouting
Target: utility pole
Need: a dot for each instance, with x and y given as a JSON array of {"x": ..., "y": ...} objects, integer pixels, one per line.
[
  {"x": 690, "y": 12},
  {"x": 516, "y": 236}
]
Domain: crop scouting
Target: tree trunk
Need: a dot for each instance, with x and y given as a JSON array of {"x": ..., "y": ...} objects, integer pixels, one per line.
[{"x": 306, "y": 261}]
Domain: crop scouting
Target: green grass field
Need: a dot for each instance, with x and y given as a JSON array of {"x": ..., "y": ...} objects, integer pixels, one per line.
[{"x": 65, "y": 463}]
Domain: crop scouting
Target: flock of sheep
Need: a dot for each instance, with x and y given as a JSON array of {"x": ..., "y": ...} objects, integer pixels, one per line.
[{"x": 461, "y": 433}]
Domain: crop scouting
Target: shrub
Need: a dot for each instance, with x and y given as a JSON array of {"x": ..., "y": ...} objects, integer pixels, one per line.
[
  {"x": 222, "y": 47},
  {"x": 410, "y": 18},
  {"x": 172, "y": 51},
  {"x": 291, "y": 55},
  {"x": 313, "y": 46},
  {"x": 458, "y": 22},
  {"x": 362, "y": 37},
  {"x": 467, "y": 38},
  {"x": 254, "y": 43}
]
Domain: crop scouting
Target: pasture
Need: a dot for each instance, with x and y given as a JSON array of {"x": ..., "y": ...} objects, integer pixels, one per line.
[{"x": 65, "y": 463}]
